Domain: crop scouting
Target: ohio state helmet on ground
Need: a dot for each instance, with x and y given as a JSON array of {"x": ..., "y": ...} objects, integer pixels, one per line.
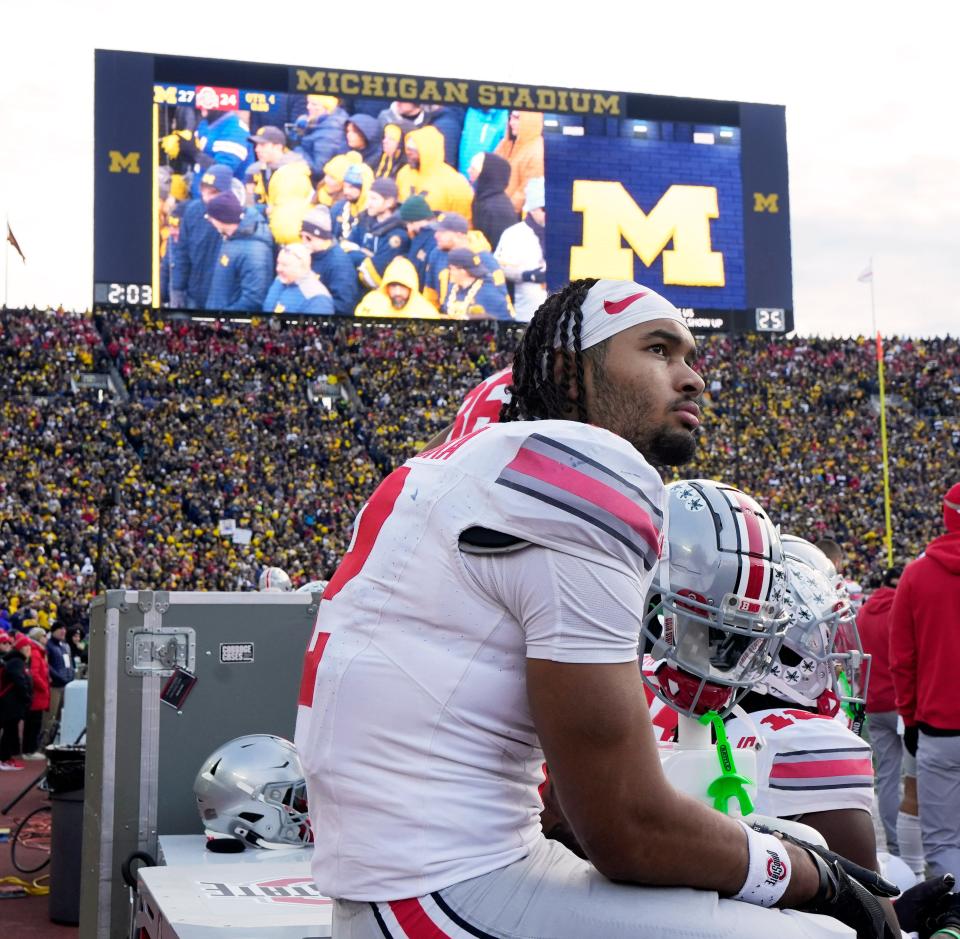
[
  {"x": 274, "y": 580},
  {"x": 252, "y": 789},
  {"x": 717, "y": 603}
]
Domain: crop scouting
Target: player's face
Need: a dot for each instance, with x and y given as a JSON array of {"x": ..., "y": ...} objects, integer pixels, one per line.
[{"x": 645, "y": 388}]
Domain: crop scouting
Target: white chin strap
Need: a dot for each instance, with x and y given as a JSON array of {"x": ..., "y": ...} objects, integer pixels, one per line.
[{"x": 612, "y": 306}]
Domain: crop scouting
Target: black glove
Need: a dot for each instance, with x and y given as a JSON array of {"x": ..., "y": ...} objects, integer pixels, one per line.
[
  {"x": 848, "y": 900},
  {"x": 847, "y": 891},
  {"x": 929, "y": 906},
  {"x": 876, "y": 884},
  {"x": 910, "y": 738}
]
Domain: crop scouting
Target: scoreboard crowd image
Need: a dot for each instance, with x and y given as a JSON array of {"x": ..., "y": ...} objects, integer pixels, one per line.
[{"x": 686, "y": 196}]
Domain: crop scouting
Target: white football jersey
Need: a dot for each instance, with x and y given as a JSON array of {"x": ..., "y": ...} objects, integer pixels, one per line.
[
  {"x": 807, "y": 762},
  {"x": 482, "y": 404},
  {"x": 414, "y": 731}
]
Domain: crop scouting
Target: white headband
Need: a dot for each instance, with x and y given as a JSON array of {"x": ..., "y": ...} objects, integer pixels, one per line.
[{"x": 612, "y": 306}]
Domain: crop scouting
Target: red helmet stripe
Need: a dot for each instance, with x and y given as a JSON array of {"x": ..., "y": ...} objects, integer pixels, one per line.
[{"x": 755, "y": 547}]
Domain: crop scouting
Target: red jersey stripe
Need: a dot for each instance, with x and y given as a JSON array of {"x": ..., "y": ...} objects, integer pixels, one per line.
[
  {"x": 585, "y": 487},
  {"x": 816, "y": 769},
  {"x": 414, "y": 921}
]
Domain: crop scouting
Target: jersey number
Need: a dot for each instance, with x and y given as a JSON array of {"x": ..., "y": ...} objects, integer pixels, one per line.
[
  {"x": 787, "y": 718},
  {"x": 369, "y": 522}
]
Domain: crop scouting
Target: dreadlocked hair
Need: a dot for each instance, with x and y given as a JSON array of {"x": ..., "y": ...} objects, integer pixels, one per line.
[{"x": 535, "y": 393}]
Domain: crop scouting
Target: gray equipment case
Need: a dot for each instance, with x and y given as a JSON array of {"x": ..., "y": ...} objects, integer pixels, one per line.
[{"x": 244, "y": 653}]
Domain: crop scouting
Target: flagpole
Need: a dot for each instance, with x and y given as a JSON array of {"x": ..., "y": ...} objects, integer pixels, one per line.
[
  {"x": 6, "y": 267},
  {"x": 886, "y": 464}
]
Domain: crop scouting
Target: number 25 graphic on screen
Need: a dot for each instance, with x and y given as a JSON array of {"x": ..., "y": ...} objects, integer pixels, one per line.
[{"x": 368, "y": 525}]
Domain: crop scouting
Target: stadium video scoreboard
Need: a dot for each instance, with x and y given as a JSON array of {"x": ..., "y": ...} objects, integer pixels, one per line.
[{"x": 688, "y": 196}]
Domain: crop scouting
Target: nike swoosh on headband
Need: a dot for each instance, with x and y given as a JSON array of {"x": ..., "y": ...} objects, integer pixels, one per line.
[{"x": 618, "y": 306}]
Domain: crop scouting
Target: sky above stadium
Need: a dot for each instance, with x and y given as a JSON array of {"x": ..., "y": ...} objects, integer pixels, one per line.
[{"x": 873, "y": 138}]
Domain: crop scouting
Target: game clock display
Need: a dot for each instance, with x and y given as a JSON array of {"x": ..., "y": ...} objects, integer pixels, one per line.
[
  {"x": 115, "y": 294},
  {"x": 687, "y": 196}
]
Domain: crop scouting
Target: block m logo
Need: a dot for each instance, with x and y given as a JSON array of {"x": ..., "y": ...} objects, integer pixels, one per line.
[
  {"x": 766, "y": 203},
  {"x": 682, "y": 216},
  {"x": 124, "y": 162}
]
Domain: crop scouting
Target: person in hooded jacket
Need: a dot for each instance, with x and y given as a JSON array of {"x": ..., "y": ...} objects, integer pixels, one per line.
[
  {"x": 16, "y": 689},
  {"x": 348, "y": 214},
  {"x": 426, "y": 173},
  {"x": 522, "y": 253},
  {"x": 493, "y": 212},
  {"x": 330, "y": 187},
  {"x": 242, "y": 272},
  {"x": 523, "y": 148},
  {"x": 873, "y": 624},
  {"x": 283, "y": 184},
  {"x": 398, "y": 294},
  {"x": 924, "y": 652},
  {"x": 40, "y": 695},
  {"x": 363, "y": 136},
  {"x": 391, "y": 152},
  {"x": 321, "y": 131}
]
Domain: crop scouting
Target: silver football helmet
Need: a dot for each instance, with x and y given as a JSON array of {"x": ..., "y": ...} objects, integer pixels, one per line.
[
  {"x": 252, "y": 789},
  {"x": 274, "y": 580},
  {"x": 802, "y": 550},
  {"x": 716, "y": 613},
  {"x": 822, "y": 640}
]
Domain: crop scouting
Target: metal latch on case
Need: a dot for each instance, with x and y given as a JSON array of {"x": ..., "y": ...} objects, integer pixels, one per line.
[{"x": 160, "y": 651}]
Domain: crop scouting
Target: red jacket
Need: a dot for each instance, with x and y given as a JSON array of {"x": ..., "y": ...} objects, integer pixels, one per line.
[
  {"x": 40, "y": 700},
  {"x": 873, "y": 624},
  {"x": 925, "y": 637}
]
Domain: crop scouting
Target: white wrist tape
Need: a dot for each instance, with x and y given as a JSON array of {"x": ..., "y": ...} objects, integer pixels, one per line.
[{"x": 768, "y": 873}]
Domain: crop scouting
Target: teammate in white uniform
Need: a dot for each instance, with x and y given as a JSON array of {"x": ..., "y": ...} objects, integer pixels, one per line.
[{"x": 487, "y": 613}]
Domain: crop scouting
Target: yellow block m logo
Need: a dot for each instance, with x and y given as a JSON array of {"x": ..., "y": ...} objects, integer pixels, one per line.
[
  {"x": 124, "y": 162},
  {"x": 766, "y": 203},
  {"x": 682, "y": 216}
]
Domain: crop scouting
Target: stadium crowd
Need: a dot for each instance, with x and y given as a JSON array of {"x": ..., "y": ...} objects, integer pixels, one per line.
[
  {"x": 333, "y": 206},
  {"x": 215, "y": 422}
]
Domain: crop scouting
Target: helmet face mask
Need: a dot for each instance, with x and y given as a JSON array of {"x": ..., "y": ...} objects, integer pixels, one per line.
[
  {"x": 720, "y": 589},
  {"x": 252, "y": 789}
]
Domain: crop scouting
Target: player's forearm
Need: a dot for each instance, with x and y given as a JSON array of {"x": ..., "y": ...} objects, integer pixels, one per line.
[{"x": 684, "y": 843}]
